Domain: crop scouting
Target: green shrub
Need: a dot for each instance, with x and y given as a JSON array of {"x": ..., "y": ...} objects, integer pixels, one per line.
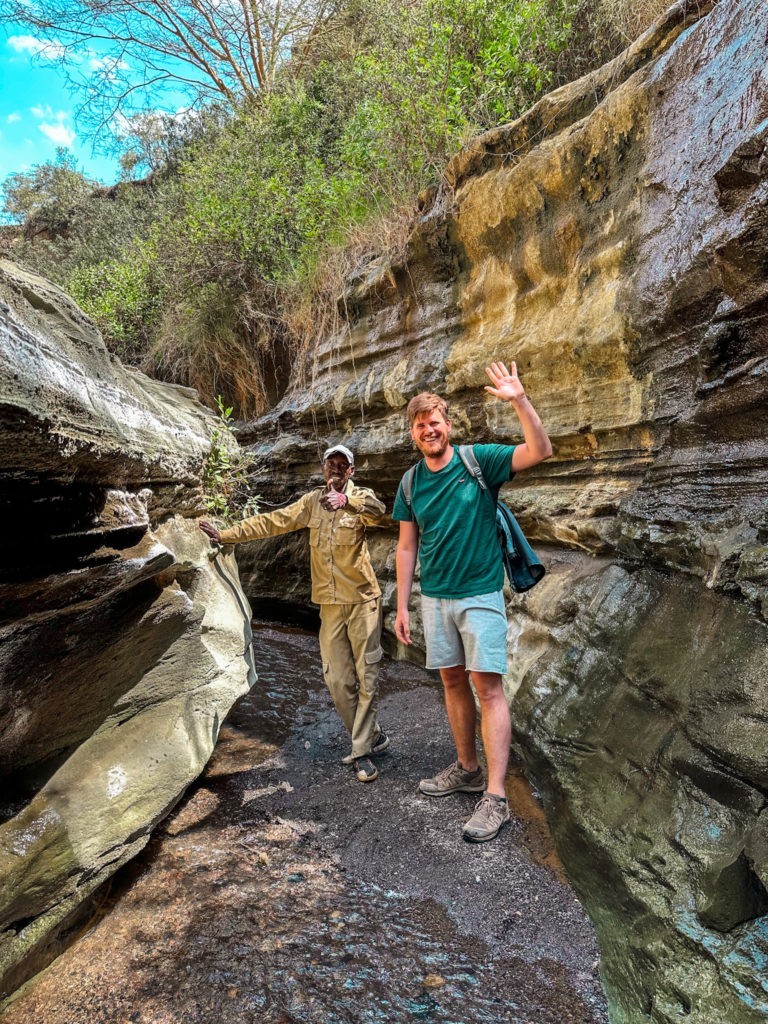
[
  {"x": 42, "y": 199},
  {"x": 123, "y": 297},
  {"x": 227, "y": 492}
]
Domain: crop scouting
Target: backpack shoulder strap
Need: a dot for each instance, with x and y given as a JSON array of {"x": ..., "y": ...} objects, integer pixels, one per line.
[
  {"x": 467, "y": 456},
  {"x": 407, "y": 484}
]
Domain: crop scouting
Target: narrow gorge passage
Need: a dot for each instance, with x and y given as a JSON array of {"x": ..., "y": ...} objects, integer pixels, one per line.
[{"x": 282, "y": 890}]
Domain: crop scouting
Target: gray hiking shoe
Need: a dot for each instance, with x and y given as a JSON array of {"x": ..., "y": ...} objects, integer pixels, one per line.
[
  {"x": 454, "y": 779},
  {"x": 491, "y": 812}
]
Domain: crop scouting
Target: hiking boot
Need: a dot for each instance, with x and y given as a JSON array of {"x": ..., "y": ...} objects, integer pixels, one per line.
[
  {"x": 454, "y": 779},
  {"x": 365, "y": 769},
  {"x": 381, "y": 742},
  {"x": 491, "y": 812}
]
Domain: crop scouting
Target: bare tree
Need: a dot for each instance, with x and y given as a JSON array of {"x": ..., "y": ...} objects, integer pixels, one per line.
[{"x": 125, "y": 52}]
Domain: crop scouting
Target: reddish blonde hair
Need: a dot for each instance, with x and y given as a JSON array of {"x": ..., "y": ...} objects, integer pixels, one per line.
[{"x": 426, "y": 402}]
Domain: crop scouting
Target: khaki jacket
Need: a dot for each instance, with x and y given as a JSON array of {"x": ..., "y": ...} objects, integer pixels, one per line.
[{"x": 339, "y": 561}]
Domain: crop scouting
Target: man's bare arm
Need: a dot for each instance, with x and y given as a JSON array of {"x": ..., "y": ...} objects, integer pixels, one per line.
[
  {"x": 407, "y": 551},
  {"x": 507, "y": 386}
]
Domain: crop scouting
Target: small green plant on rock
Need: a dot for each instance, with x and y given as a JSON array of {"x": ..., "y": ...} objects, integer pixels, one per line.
[{"x": 227, "y": 491}]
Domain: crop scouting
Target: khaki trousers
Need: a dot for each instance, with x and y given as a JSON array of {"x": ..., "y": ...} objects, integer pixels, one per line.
[{"x": 350, "y": 646}]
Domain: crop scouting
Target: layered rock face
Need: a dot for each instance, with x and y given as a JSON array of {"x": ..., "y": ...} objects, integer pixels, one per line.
[
  {"x": 614, "y": 243},
  {"x": 122, "y": 641}
]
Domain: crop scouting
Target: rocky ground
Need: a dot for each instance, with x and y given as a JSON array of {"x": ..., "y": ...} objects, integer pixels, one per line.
[{"x": 282, "y": 890}]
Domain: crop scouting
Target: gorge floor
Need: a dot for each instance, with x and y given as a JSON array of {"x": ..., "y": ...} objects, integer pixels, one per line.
[{"x": 282, "y": 890}]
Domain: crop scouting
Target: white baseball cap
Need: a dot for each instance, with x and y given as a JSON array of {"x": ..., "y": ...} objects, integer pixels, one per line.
[{"x": 342, "y": 450}]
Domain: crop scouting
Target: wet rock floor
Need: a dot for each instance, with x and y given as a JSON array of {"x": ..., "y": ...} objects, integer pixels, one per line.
[{"x": 282, "y": 890}]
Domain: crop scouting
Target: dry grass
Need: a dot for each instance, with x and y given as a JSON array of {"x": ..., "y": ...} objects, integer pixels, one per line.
[
  {"x": 225, "y": 344},
  {"x": 319, "y": 310},
  {"x": 630, "y": 18},
  {"x": 245, "y": 339},
  {"x": 601, "y": 30}
]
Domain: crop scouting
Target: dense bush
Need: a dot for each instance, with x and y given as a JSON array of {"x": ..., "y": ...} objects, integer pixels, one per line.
[
  {"x": 124, "y": 297},
  {"x": 94, "y": 226},
  {"x": 43, "y": 198}
]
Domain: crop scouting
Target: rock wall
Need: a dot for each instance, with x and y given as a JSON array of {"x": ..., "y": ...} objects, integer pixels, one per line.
[
  {"x": 122, "y": 640},
  {"x": 613, "y": 241}
]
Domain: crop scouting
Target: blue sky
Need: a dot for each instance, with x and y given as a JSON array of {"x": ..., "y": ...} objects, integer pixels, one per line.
[
  {"x": 38, "y": 107},
  {"x": 37, "y": 112}
]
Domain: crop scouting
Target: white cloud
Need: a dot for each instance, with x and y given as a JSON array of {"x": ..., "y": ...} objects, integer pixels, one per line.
[
  {"x": 187, "y": 114},
  {"x": 58, "y": 133},
  {"x": 45, "y": 113},
  {"x": 13, "y": 118},
  {"x": 53, "y": 126},
  {"x": 36, "y": 47}
]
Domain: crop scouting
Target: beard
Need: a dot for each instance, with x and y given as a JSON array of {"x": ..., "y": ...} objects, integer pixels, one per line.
[{"x": 433, "y": 449}]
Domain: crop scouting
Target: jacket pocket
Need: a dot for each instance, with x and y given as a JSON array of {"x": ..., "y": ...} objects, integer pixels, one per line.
[
  {"x": 345, "y": 535},
  {"x": 314, "y": 531}
]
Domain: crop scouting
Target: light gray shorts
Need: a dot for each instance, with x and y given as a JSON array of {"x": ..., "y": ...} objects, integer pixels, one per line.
[{"x": 469, "y": 631}]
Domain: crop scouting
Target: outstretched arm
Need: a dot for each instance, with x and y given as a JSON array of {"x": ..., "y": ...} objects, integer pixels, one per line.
[
  {"x": 506, "y": 385},
  {"x": 268, "y": 524}
]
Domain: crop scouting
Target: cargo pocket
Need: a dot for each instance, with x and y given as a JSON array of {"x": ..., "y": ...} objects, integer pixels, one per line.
[{"x": 370, "y": 685}]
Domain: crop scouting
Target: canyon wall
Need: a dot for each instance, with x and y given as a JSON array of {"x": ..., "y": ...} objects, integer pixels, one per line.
[
  {"x": 614, "y": 242},
  {"x": 122, "y": 637}
]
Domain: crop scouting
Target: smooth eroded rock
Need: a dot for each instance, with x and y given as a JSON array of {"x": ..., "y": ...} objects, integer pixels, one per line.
[{"x": 123, "y": 640}]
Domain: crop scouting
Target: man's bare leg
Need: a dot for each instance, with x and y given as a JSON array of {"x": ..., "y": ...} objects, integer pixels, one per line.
[
  {"x": 462, "y": 714},
  {"x": 495, "y": 727}
]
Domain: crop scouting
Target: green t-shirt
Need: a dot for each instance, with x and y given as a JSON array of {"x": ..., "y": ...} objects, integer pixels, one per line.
[{"x": 458, "y": 549}]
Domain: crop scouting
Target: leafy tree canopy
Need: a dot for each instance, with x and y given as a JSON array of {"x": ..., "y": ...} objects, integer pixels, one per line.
[{"x": 43, "y": 198}]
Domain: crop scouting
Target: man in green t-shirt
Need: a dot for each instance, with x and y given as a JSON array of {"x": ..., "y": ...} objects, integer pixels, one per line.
[{"x": 451, "y": 526}]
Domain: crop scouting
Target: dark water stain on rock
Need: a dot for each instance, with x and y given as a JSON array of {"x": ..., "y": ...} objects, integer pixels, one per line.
[{"x": 282, "y": 890}]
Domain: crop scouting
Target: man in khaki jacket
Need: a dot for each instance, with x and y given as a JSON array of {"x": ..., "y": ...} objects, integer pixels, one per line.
[{"x": 345, "y": 586}]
